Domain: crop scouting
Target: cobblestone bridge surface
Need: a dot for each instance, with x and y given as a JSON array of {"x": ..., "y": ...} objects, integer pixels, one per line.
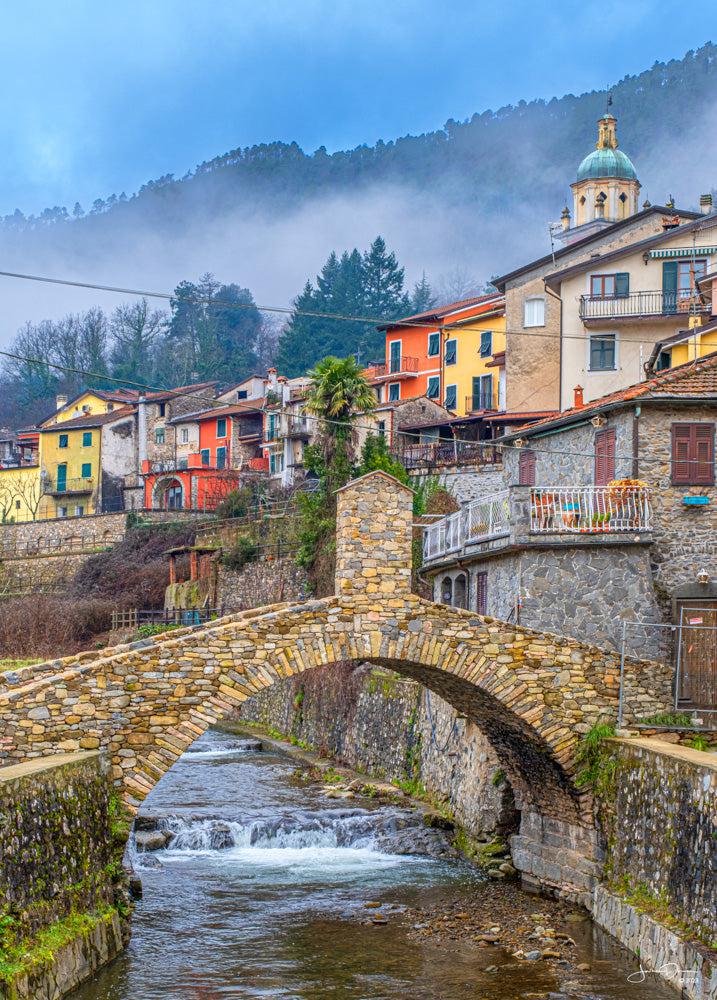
[{"x": 144, "y": 703}]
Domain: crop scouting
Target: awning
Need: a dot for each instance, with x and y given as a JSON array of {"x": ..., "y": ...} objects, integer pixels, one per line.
[{"x": 683, "y": 252}]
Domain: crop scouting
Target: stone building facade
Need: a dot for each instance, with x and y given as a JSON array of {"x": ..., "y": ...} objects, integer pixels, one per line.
[{"x": 593, "y": 581}]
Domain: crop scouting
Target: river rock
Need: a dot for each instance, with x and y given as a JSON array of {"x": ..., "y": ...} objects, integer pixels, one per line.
[
  {"x": 532, "y": 956},
  {"x": 150, "y": 840}
]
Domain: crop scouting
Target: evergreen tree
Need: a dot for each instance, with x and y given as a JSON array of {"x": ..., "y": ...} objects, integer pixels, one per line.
[{"x": 422, "y": 298}]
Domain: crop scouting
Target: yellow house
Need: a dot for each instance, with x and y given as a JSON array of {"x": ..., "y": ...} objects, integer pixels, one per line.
[
  {"x": 84, "y": 462},
  {"x": 473, "y": 346},
  {"x": 20, "y": 494},
  {"x": 91, "y": 402}
]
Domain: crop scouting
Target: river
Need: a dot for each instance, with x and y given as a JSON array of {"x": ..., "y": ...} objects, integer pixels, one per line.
[{"x": 262, "y": 890}]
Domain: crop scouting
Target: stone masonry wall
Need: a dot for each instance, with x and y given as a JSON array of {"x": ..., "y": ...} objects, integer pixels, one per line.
[
  {"x": 660, "y": 819},
  {"x": 54, "y": 839},
  {"x": 391, "y": 728},
  {"x": 260, "y": 583},
  {"x": 59, "y": 860},
  {"x": 41, "y": 573}
]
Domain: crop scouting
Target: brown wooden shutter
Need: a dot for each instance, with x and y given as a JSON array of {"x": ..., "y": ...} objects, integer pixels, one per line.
[
  {"x": 526, "y": 468},
  {"x": 693, "y": 454},
  {"x": 604, "y": 456}
]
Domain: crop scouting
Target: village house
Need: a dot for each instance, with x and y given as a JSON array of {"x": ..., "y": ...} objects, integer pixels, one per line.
[
  {"x": 607, "y": 515},
  {"x": 445, "y": 355},
  {"x": 605, "y": 218},
  {"x": 618, "y": 306}
]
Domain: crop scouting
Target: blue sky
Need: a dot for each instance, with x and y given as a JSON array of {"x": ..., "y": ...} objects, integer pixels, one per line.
[{"x": 96, "y": 98}]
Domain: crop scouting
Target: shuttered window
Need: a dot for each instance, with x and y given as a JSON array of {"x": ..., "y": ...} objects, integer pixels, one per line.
[
  {"x": 451, "y": 352},
  {"x": 604, "y": 456},
  {"x": 526, "y": 468},
  {"x": 481, "y": 585},
  {"x": 693, "y": 454}
]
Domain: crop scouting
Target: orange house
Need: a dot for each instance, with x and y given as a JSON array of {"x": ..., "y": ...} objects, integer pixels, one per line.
[{"x": 442, "y": 353}]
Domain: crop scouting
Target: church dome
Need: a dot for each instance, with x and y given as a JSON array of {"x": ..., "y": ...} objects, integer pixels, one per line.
[{"x": 607, "y": 163}]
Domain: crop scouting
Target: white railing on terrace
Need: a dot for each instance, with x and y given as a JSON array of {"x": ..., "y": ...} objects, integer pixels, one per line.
[
  {"x": 589, "y": 509},
  {"x": 478, "y": 521}
]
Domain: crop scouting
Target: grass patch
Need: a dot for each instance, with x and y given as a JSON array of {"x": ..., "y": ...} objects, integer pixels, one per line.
[
  {"x": 24, "y": 956},
  {"x": 677, "y": 719},
  {"x": 596, "y": 766},
  {"x": 16, "y": 664}
]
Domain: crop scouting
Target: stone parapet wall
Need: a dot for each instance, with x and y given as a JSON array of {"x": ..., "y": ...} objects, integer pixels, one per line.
[{"x": 391, "y": 728}]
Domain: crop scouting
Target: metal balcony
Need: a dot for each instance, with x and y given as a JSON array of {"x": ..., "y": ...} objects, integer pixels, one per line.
[
  {"x": 590, "y": 510},
  {"x": 639, "y": 305},
  {"x": 396, "y": 369}
]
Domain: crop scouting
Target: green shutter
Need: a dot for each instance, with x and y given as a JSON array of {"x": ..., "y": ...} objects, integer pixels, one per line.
[
  {"x": 669, "y": 286},
  {"x": 622, "y": 285}
]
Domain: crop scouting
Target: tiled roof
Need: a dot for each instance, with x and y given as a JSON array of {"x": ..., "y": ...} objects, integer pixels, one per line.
[
  {"x": 89, "y": 420},
  {"x": 228, "y": 410},
  {"x": 693, "y": 380},
  {"x": 446, "y": 310}
]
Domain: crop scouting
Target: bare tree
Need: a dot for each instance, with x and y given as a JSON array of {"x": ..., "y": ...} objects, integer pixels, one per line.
[
  {"x": 135, "y": 330},
  {"x": 16, "y": 485}
]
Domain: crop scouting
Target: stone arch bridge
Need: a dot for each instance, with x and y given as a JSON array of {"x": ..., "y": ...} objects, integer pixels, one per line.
[{"x": 532, "y": 694}]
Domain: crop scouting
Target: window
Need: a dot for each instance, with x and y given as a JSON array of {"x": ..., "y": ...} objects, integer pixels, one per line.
[
  {"x": 526, "y": 468},
  {"x": 183, "y": 463},
  {"x": 378, "y": 390},
  {"x": 433, "y": 389},
  {"x": 678, "y": 282},
  {"x": 394, "y": 356},
  {"x": 276, "y": 463},
  {"x": 394, "y": 392},
  {"x": 184, "y": 435},
  {"x": 86, "y": 470},
  {"x": 451, "y": 399},
  {"x": 242, "y": 394},
  {"x": 486, "y": 343},
  {"x": 460, "y": 592},
  {"x": 62, "y": 511},
  {"x": 173, "y": 497},
  {"x": 79, "y": 510},
  {"x": 434, "y": 344},
  {"x": 664, "y": 360},
  {"x": 693, "y": 454},
  {"x": 604, "y": 456},
  {"x": 534, "y": 312},
  {"x": 482, "y": 396},
  {"x": 688, "y": 272},
  {"x": 481, "y": 584},
  {"x": 271, "y": 427},
  {"x": 110, "y": 407},
  {"x": 62, "y": 478},
  {"x": 451, "y": 352},
  {"x": 222, "y": 427},
  {"x": 87, "y": 439},
  {"x": 159, "y": 435},
  {"x": 221, "y": 458},
  {"x": 382, "y": 428},
  {"x": 205, "y": 456},
  {"x": 447, "y": 590},
  {"x": 62, "y": 443},
  {"x": 609, "y": 286},
  {"x": 162, "y": 409},
  {"x": 602, "y": 352}
]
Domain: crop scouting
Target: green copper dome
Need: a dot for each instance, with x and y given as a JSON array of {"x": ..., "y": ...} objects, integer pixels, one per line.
[{"x": 606, "y": 163}]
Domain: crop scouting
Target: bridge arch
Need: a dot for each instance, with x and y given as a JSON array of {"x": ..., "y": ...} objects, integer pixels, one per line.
[{"x": 143, "y": 704}]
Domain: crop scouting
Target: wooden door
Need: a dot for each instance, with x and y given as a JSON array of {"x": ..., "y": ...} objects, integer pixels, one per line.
[{"x": 698, "y": 654}]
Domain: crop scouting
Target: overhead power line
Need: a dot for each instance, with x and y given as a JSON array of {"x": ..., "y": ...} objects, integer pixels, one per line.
[{"x": 311, "y": 314}]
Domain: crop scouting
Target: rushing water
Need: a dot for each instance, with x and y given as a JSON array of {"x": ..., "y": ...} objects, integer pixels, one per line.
[{"x": 261, "y": 892}]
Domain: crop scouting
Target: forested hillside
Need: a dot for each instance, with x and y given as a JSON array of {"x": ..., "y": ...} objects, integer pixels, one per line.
[{"x": 459, "y": 204}]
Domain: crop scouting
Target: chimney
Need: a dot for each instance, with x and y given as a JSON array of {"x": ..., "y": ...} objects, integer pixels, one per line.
[
  {"x": 60, "y": 401},
  {"x": 706, "y": 204},
  {"x": 578, "y": 397}
]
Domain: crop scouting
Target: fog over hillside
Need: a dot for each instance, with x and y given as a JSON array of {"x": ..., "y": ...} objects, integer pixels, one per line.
[{"x": 476, "y": 195}]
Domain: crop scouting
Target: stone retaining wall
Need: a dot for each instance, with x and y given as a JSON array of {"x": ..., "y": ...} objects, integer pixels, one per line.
[
  {"x": 58, "y": 863},
  {"x": 36, "y": 574},
  {"x": 392, "y": 728},
  {"x": 661, "y": 825},
  {"x": 259, "y": 583}
]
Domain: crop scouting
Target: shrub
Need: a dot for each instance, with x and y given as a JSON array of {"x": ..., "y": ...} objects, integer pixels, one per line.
[{"x": 244, "y": 550}]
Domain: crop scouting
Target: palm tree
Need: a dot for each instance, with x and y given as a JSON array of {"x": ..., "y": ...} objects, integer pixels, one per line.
[{"x": 339, "y": 394}]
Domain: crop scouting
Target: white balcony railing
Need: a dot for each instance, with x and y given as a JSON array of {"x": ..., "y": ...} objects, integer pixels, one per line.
[
  {"x": 589, "y": 509},
  {"x": 479, "y": 521}
]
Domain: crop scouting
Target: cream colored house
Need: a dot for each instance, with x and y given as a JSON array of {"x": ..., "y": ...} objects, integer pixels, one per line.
[{"x": 617, "y": 305}]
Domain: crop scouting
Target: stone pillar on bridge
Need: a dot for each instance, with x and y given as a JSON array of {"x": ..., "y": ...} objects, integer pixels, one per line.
[{"x": 373, "y": 536}]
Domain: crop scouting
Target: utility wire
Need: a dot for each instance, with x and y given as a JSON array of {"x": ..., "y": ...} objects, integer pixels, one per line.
[
  {"x": 371, "y": 428},
  {"x": 289, "y": 311}
]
